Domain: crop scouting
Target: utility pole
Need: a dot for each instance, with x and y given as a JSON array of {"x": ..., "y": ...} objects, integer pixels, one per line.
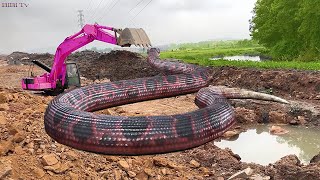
[{"x": 81, "y": 19}]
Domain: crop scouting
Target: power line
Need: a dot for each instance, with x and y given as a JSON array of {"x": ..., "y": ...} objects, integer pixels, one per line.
[
  {"x": 89, "y": 6},
  {"x": 132, "y": 20},
  {"x": 106, "y": 7},
  {"x": 131, "y": 10},
  {"x": 136, "y": 5},
  {"x": 95, "y": 10},
  {"x": 109, "y": 10},
  {"x": 141, "y": 10}
]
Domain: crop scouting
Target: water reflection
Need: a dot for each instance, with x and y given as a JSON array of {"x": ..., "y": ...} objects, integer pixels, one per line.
[
  {"x": 258, "y": 146},
  {"x": 239, "y": 58}
]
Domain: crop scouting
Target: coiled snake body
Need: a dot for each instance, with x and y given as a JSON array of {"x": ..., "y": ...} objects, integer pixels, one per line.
[{"x": 70, "y": 121}]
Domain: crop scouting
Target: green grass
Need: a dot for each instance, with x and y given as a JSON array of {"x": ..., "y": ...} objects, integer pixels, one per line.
[{"x": 202, "y": 57}]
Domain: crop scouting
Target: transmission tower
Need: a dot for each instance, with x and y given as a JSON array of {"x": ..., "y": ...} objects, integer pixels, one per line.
[
  {"x": 81, "y": 18},
  {"x": 81, "y": 23}
]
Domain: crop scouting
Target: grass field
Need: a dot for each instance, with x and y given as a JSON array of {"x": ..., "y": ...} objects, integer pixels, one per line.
[{"x": 202, "y": 56}]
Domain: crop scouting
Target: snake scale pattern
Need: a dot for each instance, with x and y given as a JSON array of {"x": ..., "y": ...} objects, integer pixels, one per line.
[{"x": 69, "y": 118}]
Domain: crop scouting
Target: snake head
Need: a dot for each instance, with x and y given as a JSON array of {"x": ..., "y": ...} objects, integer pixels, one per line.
[{"x": 154, "y": 52}]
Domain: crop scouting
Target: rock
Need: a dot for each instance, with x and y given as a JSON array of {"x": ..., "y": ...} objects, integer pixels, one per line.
[
  {"x": 149, "y": 172},
  {"x": 39, "y": 151},
  {"x": 220, "y": 178},
  {"x": 108, "y": 112},
  {"x": 293, "y": 122},
  {"x": 317, "y": 97},
  {"x": 290, "y": 159},
  {"x": 3, "y": 120},
  {"x": 302, "y": 120},
  {"x": 242, "y": 174},
  {"x": 148, "y": 163},
  {"x": 175, "y": 166},
  {"x": 57, "y": 168},
  {"x": 53, "y": 167},
  {"x": 277, "y": 117},
  {"x": 42, "y": 146},
  {"x": 117, "y": 174},
  {"x": 112, "y": 158},
  {"x": 204, "y": 170},
  {"x": 4, "y": 107},
  {"x": 132, "y": 174},
  {"x": 63, "y": 168},
  {"x": 19, "y": 150},
  {"x": 31, "y": 151},
  {"x": 5, "y": 147},
  {"x": 50, "y": 173},
  {"x": 230, "y": 134},
  {"x": 142, "y": 176},
  {"x": 3, "y": 98},
  {"x": 244, "y": 115},
  {"x": 18, "y": 137},
  {"x": 316, "y": 159},
  {"x": 194, "y": 163},
  {"x": 71, "y": 155},
  {"x": 164, "y": 171},
  {"x": 124, "y": 165},
  {"x": 13, "y": 131},
  {"x": 159, "y": 161},
  {"x": 49, "y": 160},
  {"x": 277, "y": 130},
  {"x": 91, "y": 165},
  {"x": 39, "y": 173},
  {"x": 129, "y": 161},
  {"x": 30, "y": 145},
  {"x": 5, "y": 169},
  {"x": 73, "y": 176}
]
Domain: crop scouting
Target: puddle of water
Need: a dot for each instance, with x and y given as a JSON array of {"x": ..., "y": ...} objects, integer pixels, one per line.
[
  {"x": 258, "y": 146},
  {"x": 240, "y": 58}
]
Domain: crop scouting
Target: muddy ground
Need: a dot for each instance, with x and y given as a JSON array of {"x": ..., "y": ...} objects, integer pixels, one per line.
[{"x": 27, "y": 152}]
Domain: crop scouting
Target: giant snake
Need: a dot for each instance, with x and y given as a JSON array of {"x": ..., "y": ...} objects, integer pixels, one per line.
[{"x": 69, "y": 119}]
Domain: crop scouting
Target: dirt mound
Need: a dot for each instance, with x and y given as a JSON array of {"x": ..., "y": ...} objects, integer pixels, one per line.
[
  {"x": 3, "y": 57},
  {"x": 17, "y": 58},
  {"x": 116, "y": 65},
  {"x": 286, "y": 83}
]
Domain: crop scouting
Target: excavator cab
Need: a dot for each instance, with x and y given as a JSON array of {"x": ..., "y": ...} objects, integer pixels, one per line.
[{"x": 73, "y": 75}]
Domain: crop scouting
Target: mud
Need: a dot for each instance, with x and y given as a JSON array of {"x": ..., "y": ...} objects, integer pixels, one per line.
[{"x": 27, "y": 152}]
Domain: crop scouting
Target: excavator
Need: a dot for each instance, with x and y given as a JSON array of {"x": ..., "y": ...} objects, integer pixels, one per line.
[{"x": 64, "y": 74}]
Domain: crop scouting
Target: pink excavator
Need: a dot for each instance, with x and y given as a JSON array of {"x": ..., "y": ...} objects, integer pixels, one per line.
[{"x": 64, "y": 74}]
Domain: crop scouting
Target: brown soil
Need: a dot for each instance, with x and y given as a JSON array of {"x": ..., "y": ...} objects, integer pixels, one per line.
[{"x": 27, "y": 152}]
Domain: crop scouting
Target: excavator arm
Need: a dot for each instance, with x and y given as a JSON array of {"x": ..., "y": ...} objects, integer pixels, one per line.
[{"x": 87, "y": 34}]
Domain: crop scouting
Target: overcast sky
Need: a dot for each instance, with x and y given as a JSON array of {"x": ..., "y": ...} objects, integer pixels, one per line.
[{"x": 43, "y": 25}]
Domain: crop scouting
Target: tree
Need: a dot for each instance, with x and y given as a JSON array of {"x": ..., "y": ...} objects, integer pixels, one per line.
[
  {"x": 309, "y": 15},
  {"x": 289, "y": 29}
]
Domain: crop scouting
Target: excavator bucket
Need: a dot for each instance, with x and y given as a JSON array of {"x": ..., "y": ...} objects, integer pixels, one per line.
[{"x": 135, "y": 36}]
